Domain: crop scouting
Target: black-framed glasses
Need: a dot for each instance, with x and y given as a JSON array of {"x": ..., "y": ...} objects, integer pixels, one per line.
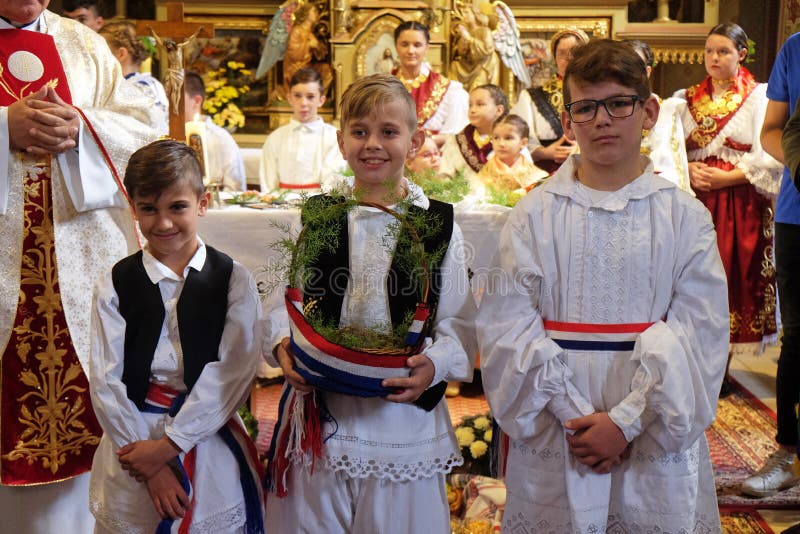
[{"x": 618, "y": 107}]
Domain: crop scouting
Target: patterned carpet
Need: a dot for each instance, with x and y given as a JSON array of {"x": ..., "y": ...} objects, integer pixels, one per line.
[
  {"x": 743, "y": 522},
  {"x": 740, "y": 439}
]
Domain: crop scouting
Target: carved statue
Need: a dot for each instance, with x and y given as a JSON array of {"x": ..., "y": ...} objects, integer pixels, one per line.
[
  {"x": 298, "y": 37},
  {"x": 486, "y": 29},
  {"x": 173, "y": 85}
]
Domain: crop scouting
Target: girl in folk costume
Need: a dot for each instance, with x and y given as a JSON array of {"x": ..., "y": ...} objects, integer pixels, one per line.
[
  {"x": 541, "y": 107},
  {"x": 469, "y": 149},
  {"x": 441, "y": 103},
  {"x": 664, "y": 143},
  {"x": 736, "y": 180},
  {"x": 130, "y": 52},
  {"x": 508, "y": 169},
  {"x": 175, "y": 346}
]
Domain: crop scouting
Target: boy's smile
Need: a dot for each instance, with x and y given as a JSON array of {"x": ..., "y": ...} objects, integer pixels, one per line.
[
  {"x": 169, "y": 223},
  {"x": 376, "y": 147}
]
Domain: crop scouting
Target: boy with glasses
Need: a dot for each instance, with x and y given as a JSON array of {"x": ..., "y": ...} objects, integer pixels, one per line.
[{"x": 603, "y": 331}]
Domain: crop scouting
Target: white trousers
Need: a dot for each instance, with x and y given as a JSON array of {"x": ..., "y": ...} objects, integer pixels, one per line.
[{"x": 331, "y": 502}]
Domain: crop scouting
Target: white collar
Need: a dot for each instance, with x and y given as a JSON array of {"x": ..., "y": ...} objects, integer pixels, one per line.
[
  {"x": 157, "y": 271},
  {"x": 33, "y": 26},
  {"x": 343, "y": 185},
  {"x": 313, "y": 126}
]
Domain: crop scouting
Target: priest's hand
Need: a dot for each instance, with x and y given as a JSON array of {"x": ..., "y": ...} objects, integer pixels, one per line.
[
  {"x": 56, "y": 124},
  {"x": 409, "y": 389},
  {"x": 143, "y": 459},
  {"x": 597, "y": 442},
  {"x": 168, "y": 496}
]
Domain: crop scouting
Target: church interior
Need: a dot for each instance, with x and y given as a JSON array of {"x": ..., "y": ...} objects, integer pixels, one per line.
[{"x": 231, "y": 45}]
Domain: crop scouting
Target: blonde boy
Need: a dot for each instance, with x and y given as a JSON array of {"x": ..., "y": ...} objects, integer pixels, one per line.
[
  {"x": 384, "y": 459},
  {"x": 603, "y": 332},
  {"x": 303, "y": 154}
]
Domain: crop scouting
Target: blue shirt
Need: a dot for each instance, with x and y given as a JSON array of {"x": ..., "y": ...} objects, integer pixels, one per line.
[{"x": 784, "y": 86}]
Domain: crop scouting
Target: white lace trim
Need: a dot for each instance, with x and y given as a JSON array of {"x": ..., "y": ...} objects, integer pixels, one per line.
[
  {"x": 225, "y": 521},
  {"x": 394, "y": 471},
  {"x": 521, "y": 523}
]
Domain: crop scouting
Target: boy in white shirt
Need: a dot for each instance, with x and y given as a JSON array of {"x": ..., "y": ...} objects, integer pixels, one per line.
[
  {"x": 603, "y": 331},
  {"x": 225, "y": 164},
  {"x": 303, "y": 154}
]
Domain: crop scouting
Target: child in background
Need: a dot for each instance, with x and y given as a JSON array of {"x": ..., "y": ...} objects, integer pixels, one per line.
[
  {"x": 384, "y": 460},
  {"x": 508, "y": 169},
  {"x": 604, "y": 329},
  {"x": 468, "y": 150},
  {"x": 130, "y": 52},
  {"x": 427, "y": 159},
  {"x": 303, "y": 154},
  {"x": 225, "y": 165},
  {"x": 174, "y": 348}
]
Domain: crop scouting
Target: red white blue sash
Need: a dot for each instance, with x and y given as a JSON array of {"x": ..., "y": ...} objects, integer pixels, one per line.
[
  {"x": 163, "y": 399},
  {"x": 595, "y": 337},
  {"x": 332, "y": 367}
]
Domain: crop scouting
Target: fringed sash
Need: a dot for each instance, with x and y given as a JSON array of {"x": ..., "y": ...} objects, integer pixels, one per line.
[{"x": 162, "y": 399}]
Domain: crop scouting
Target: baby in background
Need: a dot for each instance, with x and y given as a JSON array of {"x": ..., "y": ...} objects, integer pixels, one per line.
[{"x": 508, "y": 169}]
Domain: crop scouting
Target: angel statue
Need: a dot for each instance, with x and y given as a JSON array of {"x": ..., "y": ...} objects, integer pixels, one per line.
[
  {"x": 486, "y": 29},
  {"x": 294, "y": 36},
  {"x": 173, "y": 85}
]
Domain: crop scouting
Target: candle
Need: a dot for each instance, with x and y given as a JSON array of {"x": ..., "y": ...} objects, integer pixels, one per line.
[{"x": 196, "y": 138}]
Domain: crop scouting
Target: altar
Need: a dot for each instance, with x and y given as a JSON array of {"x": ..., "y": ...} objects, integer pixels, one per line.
[{"x": 248, "y": 235}]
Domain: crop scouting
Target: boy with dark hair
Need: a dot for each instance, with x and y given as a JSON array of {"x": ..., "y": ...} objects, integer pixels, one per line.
[
  {"x": 303, "y": 154},
  {"x": 604, "y": 342},
  {"x": 175, "y": 345},
  {"x": 393, "y": 452},
  {"x": 87, "y": 12},
  {"x": 225, "y": 164}
]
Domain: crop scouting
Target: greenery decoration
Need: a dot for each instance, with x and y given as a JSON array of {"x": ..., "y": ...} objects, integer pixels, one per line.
[
  {"x": 439, "y": 187},
  {"x": 321, "y": 234}
]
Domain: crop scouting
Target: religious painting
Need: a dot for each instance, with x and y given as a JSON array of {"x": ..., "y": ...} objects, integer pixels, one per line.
[
  {"x": 535, "y": 34},
  {"x": 374, "y": 49}
]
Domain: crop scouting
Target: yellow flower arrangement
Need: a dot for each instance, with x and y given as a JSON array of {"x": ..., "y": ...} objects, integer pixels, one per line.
[
  {"x": 224, "y": 89},
  {"x": 474, "y": 437}
]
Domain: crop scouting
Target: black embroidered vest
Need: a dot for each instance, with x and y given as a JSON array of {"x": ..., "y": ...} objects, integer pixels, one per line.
[
  {"x": 202, "y": 308},
  {"x": 331, "y": 274}
]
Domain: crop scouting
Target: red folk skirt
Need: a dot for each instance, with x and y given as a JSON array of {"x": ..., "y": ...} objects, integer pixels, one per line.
[{"x": 744, "y": 221}]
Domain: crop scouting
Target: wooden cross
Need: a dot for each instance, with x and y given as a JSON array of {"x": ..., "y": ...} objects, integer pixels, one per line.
[{"x": 178, "y": 30}]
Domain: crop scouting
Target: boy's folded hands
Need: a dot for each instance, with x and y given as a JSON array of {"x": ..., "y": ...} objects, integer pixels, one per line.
[
  {"x": 143, "y": 459},
  {"x": 597, "y": 441},
  {"x": 167, "y": 495}
]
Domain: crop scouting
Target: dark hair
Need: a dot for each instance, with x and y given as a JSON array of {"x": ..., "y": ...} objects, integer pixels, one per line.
[
  {"x": 412, "y": 25},
  {"x": 193, "y": 84},
  {"x": 732, "y": 31},
  {"x": 368, "y": 93},
  {"x": 604, "y": 60},
  {"x": 516, "y": 121},
  {"x": 306, "y": 75},
  {"x": 122, "y": 34},
  {"x": 156, "y": 167},
  {"x": 643, "y": 49},
  {"x": 97, "y": 5},
  {"x": 498, "y": 96}
]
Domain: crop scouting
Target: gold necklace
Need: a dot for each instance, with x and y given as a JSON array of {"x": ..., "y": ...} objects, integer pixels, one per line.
[{"x": 415, "y": 83}]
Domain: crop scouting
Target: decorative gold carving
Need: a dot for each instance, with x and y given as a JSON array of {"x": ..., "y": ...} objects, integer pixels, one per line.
[
  {"x": 53, "y": 426},
  {"x": 678, "y": 55},
  {"x": 597, "y": 27}
]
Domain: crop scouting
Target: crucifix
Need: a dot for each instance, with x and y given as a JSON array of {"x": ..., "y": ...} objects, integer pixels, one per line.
[{"x": 174, "y": 34}]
